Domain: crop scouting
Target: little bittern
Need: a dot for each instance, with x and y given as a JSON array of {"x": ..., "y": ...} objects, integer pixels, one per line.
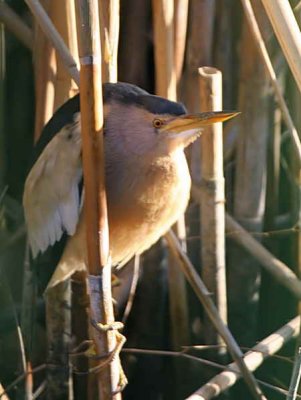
[{"x": 147, "y": 177}]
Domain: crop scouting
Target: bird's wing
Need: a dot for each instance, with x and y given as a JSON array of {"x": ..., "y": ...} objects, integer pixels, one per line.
[{"x": 51, "y": 196}]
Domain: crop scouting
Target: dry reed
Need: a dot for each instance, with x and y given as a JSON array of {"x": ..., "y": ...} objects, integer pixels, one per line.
[
  {"x": 99, "y": 268},
  {"x": 212, "y": 205}
]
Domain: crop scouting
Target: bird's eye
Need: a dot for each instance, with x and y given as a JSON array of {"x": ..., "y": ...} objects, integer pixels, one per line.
[{"x": 157, "y": 123}]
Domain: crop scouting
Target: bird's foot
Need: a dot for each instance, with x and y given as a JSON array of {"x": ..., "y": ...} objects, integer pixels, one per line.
[
  {"x": 112, "y": 355},
  {"x": 87, "y": 349},
  {"x": 114, "y": 326}
]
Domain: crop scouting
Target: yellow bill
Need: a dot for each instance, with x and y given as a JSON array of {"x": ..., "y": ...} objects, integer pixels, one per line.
[{"x": 197, "y": 121}]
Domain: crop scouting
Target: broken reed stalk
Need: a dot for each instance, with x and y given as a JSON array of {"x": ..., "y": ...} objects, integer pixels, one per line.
[
  {"x": 205, "y": 298},
  {"x": 15, "y": 25},
  {"x": 109, "y": 16},
  {"x": 253, "y": 359},
  {"x": 64, "y": 19},
  {"x": 281, "y": 272},
  {"x": 180, "y": 31},
  {"x": 287, "y": 32},
  {"x": 166, "y": 86},
  {"x": 99, "y": 268},
  {"x": 56, "y": 40},
  {"x": 272, "y": 76},
  {"x": 212, "y": 206}
]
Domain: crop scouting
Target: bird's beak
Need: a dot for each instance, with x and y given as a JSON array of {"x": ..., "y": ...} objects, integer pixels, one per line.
[{"x": 195, "y": 122}]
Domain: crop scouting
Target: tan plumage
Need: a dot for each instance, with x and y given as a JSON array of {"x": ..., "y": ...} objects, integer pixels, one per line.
[{"x": 147, "y": 178}]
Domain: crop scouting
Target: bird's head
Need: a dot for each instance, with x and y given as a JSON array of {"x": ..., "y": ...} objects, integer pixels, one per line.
[{"x": 146, "y": 125}]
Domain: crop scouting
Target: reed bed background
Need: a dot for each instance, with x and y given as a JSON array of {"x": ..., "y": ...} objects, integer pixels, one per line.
[{"x": 212, "y": 310}]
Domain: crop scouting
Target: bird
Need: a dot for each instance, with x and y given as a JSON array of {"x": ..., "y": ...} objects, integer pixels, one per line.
[{"x": 146, "y": 175}]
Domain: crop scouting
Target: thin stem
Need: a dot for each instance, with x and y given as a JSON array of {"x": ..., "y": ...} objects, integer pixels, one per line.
[
  {"x": 272, "y": 75},
  {"x": 205, "y": 298},
  {"x": 277, "y": 268},
  {"x": 95, "y": 207},
  {"x": 14, "y": 23},
  {"x": 56, "y": 40},
  {"x": 296, "y": 375},
  {"x": 133, "y": 288}
]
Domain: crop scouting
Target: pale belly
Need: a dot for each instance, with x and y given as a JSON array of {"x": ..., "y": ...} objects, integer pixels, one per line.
[
  {"x": 136, "y": 226},
  {"x": 135, "y": 222}
]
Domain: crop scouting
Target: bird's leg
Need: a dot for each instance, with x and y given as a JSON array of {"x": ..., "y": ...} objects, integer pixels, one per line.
[
  {"x": 82, "y": 348},
  {"x": 109, "y": 357},
  {"x": 87, "y": 348},
  {"x": 120, "y": 340}
]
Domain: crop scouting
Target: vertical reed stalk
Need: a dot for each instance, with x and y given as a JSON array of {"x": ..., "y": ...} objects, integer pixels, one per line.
[
  {"x": 180, "y": 30},
  {"x": 99, "y": 279},
  {"x": 58, "y": 298},
  {"x": 273, "y": 172},
  {"x": 178, "y": 302},
  {"x": 224, "y": 50},
  {"x": 49, "y": 30},
  {"x": 163, "y": 17},
  {"x": 45, "y": 71},
  {"x": 2, "y": 101},
  {"x": 44, "y": 68},
  {"x": 166, "y": 86},
  {"x": 63, "y": 17},
  {"x": 135, "y": 27},
  {"x": 79, "y": 315},
  {"x": 295, "y": 379},
  {"x": 199, "y": 49},
  {"x": 295, "y": 95},
  {"x": 198, "y": 52},
  {"x": 269, "y": 289},
  {"x": 58, "y": 314},
  {"x": 250, "y": 189},
  {"x": 109, "y": 31},
  {"x": 213, "y": 200}
]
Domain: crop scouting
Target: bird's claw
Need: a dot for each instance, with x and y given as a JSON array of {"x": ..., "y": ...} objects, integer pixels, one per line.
[
  {"x": 111, "y": 356},
  {"x": 114, "y": 326}
]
